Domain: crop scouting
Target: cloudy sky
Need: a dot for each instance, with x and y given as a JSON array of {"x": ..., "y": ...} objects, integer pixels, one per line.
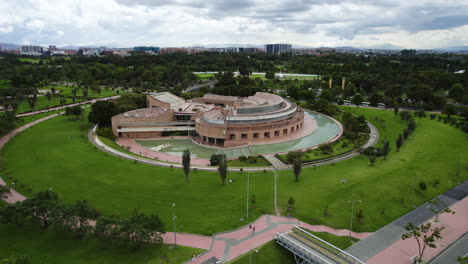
[{"x": 314, "y": 23}]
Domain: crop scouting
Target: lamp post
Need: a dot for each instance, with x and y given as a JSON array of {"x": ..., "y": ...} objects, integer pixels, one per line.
[
  {"x": 175, "y": 226},
  {"x": 352, "y": 212},
  {"x": 250, "y": 255},
  {"x": 248, "y": 185}
]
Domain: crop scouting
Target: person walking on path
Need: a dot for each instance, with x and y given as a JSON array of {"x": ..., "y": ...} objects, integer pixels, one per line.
[{"x": 253, "y": 229}]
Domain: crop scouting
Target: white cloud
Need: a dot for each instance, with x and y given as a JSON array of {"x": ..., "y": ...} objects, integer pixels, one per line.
[{"x": 421, "y": 24}]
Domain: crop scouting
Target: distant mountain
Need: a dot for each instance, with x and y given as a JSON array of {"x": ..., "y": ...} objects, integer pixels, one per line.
[
  {"x": 8, "y": 46},
  {"x": 454, "y": 48},
  {"x": 385, "y": 47}
]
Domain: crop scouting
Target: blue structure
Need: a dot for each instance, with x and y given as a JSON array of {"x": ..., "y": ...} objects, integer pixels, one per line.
[{"x": 146, "y": 49}]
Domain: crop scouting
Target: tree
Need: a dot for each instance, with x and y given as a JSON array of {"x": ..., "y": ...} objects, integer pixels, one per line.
[
  {"x": 41, "y": 206},
  {"x": 357, "y": 100},
  {"x": 424, "y": 236},
  {"x": 62, "y": 101},
  {"x": 253, "y": 200},
  {"x": 4, "y": 191},
  {"x": 270, "y": 75},
  {"x": 360, "y": 215},
  {"x": 399, "y": 142},
  {"x": 405, "y": 133},
  {"x": 32, "y": 101},
  {"x": 102, "y": 112},
  {"x": 411, "y": 126},
  {"x": 223, "y": 168},
  {"x": 405, "y": 115},
  {"x": 74, "y": 111},
  {"x": 291, "y": 202},
  {"x": 372, "y": 159},
  {"x": 13, "y": 214},
  {"x": 186, "y": 164},
  {"x": 438, "y": 207},
  {"x": 49, "y": 96},
  {"x": 52, "y": 90},
  {"x": 129, "y": 232},
  {"x": 85, "y": 93},
  {"x": 421, "y": 113},
  {"x": 449, "y": 110},
  {"x": 297, "y": 166},
  {"x": 395, "y": 110},
  {"x": 385, "y": 149}
]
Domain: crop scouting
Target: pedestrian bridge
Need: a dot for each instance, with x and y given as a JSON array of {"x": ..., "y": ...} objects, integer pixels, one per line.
[{"x": 310, "y": 249}]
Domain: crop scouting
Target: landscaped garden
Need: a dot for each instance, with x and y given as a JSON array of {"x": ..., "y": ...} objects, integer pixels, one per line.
[{"x": 59, "y": 156}]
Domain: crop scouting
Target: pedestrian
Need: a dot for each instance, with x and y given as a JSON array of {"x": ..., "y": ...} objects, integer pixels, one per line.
[
  {"x": 250, "y": 226},
  {"x": 253, "y": 229}
]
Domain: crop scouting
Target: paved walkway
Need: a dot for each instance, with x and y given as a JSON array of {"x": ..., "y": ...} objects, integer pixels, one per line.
[
  {"x": 384, "y": 238},
  {"x": 275, "y": 162},
  {"x": 138, "y": 149},
  {"x": 65, "y": 106},
  {"x": 450, "y": 254},
  {"x": 230, "y": 245},
  {"x": 455, "y": 226}
]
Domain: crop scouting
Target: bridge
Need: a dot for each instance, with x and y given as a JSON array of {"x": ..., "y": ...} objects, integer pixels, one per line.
[{"x": 309, "y": 249}]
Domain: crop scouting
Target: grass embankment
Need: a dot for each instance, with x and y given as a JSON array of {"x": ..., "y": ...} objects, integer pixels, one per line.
[
  {"x": 56, "y": 153},
  {"x": 271, "y": 253},
  {"x": 49, "y": 247},
  {"x": 44, "y": 156},
  {"x": 387, "y": 189}
]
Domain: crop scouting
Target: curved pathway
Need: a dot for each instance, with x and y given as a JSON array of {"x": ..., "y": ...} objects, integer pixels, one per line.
[
  {"x": 373, "y": 139},
  {"x": 224, "y": 246}
]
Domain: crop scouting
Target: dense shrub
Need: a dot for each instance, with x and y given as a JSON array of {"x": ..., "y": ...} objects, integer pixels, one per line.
[{"x": 422, "y": 185}]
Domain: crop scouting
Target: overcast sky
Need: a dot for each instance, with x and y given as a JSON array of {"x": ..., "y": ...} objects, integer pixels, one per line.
[{"x": 314, "y": 23}]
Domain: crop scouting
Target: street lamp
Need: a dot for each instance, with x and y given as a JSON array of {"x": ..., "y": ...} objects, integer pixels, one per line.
[
  {"x": 352, "y": 212},
  {"x": 248, "y": 185},
  {"x": 175, "y": 226},
  {"x": 250, "y": 255}
]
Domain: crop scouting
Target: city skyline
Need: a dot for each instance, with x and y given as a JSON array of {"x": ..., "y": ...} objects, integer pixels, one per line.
[{"x": 121, "y": 23}]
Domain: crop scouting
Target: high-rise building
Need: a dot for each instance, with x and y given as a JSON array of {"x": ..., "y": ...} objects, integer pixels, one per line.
[
  {"x": 146, "y": 49},
  {"x": 31, "y": 50},
  {"x": 278, "y": 48}
]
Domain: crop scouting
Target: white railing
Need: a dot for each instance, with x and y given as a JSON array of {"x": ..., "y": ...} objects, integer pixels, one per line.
[
  {"x": 336, "y": 251},
  {"x": 300, "y": 251}
]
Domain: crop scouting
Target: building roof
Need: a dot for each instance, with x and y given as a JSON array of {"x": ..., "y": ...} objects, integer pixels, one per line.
[
  {"x": 218, "y": 97},
  {"x": 143, "y": 112},
  {"x": 168, "y": 98}
]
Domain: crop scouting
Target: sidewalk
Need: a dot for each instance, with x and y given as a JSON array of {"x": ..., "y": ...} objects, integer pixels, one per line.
[
  {"x": 227, "y": 246},
  {"x": 401, "y": 251},
  {"x": 386, "y": 238}
]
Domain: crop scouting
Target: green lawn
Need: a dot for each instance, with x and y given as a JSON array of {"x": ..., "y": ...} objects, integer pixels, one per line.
[
  {"x": 342, "y": 242},
  {"x": 387, "y": 189},
  {"x": 384, "y": 120},
  {"x": 270, "y": 253},
  {"x": 44, "y": 156},
  {"x": 43, "y": 103},
  {"x": 49, "y": 247},
  {"x": 67, "y": 90},
  {"x": 56, "y": 153},
  {"x": 204, "y": 76}
]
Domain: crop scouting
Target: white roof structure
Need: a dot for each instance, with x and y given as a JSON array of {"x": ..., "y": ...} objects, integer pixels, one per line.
[{"x": 168, "y": 98}]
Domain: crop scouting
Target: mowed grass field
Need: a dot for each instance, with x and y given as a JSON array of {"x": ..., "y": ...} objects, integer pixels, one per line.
[
  {"x": 57, "y": 154},
  {"x": 387, "y": 189},
  {"x": 50, "y": 247}
]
